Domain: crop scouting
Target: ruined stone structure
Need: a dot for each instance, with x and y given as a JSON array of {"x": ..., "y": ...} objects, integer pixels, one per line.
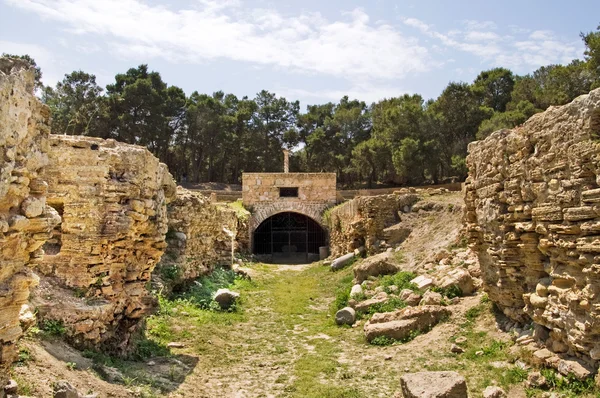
[
  {"x": 198, "y": 238},
  {"x": 25, "y": 219},
  {"x": 112, "y": 198},
  {"x": 363, "y": 221},
  {"x": 291, "y": 204},
  {"x": 533, "y": 215}
]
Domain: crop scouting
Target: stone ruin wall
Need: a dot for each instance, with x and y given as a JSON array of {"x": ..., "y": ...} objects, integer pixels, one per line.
[
  {"x": 86, "y": 220},
  {"x": 362, "y": 220},
  {"x": 25, "y": 219},
  {"x": 112, "y": 198},
  {"x": 533, "y": 215},
  {"x": 197, "y": 240}
]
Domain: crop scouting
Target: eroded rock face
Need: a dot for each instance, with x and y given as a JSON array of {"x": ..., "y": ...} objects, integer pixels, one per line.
[
  {"x": 113, "y": 201},
  {"x": 198, "y": 239},
  {"x": 533, "y": 214},
  {"x": 25, "y": 219},
  {"x": 362, "y": 221}
]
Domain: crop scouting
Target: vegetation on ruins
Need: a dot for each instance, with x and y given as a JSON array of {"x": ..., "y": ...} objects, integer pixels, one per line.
[{"x": 401, "y": 140}]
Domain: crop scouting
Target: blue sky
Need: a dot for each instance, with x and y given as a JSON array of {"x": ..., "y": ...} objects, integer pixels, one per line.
[{"x": 314, "y": 51}]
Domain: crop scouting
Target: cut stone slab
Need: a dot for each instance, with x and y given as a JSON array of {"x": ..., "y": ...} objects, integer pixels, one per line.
[
  {"x": 460, "y": 278},
  {"x": 422, "y": 282},
  {"x": 345, "y": 316},
  {"x": 400, "y": 324},
  {"x": 379, "y": 298},
  {"x": 433, "y": 385},
  {"x": 377, "y": 265},
  {"x": 576, "y": 367}
]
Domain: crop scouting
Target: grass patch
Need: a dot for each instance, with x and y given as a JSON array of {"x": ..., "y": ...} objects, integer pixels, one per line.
[
  {"x": 450, "y": 292},
  {"x": 240, "y": 211},
  {"x": 401, "y": 280},
  {"x": 392, "y": 304},
  {"x": 52, "y": 327}
]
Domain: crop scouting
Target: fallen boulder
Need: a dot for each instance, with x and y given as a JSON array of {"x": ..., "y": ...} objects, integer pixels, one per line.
[
  {"x": 433, "y": 385},
  {"x": 400, "y": 324},
  {"x": 226, "y": 298},
  {"x": 460, "y": 278},
  {"x": 431, "y": 298},
  {"x": 377, "y": 265}
]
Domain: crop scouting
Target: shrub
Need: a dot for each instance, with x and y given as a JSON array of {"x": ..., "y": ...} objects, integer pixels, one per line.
[{"x": 401, "y": 279}]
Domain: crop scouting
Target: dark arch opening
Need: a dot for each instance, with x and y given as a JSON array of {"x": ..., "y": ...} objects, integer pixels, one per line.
[{"x": 289, "y": 238}]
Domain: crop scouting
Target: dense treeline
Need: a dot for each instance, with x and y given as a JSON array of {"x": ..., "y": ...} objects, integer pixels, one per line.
[{"x": 397, "y": 140}]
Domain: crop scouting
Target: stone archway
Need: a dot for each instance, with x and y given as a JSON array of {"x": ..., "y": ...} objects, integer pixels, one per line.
[{"x": 288, "y": 237}]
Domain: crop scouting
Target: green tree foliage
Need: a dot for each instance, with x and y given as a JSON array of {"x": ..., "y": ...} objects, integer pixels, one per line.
[
  {"x": 76, "y": 104},
  {"x": 494, "y": 88},
  {"x": 400, "y": 140}
]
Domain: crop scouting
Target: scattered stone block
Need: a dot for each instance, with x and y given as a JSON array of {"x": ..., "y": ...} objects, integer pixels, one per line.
[
  {"x": 377, "y": 265},
  {"x": 433, "y": 385},
  {"x": 401, "y": 323},
  {"x": 494, "y": 392},
  {"x": 422, "y": 282}
]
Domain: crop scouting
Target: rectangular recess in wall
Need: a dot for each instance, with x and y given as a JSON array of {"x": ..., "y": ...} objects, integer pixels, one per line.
[{"x": 288, "y": 192}]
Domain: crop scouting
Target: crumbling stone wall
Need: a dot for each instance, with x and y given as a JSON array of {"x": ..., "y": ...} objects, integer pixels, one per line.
[
  {"x": 25, "y": 219},
  {"x": 97, "y": 267},
  {"x": 198, "y": 238},
  {"x": 533, "y": 215},
  {"x": 362, "y": 220}
]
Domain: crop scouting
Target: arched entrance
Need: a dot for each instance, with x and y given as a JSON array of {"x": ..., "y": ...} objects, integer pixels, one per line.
[{"x": 290, "y": 238}]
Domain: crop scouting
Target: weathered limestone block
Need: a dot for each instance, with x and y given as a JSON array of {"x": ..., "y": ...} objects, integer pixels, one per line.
[
  {"x": 377, "y": 265},
  {"x": 401, "y": 323},
  {"x": 25, "y": 220},
  {"x": 363, "y": 220},
  {"x": 113, "y": 201},
  {"x": 433, "y": 385},
  {"x": 538, "y": 234},
  {"x": 198, "y": 238}
]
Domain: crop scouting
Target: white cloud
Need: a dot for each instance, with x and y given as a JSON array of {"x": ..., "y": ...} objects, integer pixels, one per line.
[
  {"x": 528, "y": 49},
  {"x": 352, "y": 47}
]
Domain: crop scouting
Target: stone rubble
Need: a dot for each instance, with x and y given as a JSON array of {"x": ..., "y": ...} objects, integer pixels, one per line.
[{"x": 401, "y": 323}]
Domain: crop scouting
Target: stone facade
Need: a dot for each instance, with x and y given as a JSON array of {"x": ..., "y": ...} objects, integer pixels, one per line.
[
  {"x": 361, "y": 221},
  {"x": 113, "y": 201},
  {"x": 261, "y": 195},
  {"x": 313, "y": 188},
  {"x": 25, "y": 219},
  {"x": 533, "y": 215},
  {"x": 198, "y": 238}
]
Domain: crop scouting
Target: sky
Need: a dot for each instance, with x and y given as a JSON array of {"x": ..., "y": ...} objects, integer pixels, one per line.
[{"x": 315, "y": 51}]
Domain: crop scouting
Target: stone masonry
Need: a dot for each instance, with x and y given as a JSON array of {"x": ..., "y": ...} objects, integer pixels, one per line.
[
  {"x": 113, "y": 201},
  {"x": 533, "y": 215},
  {"x": 198, "y": 238},
  {"x": 25, "y": 219},
  {"x": 362, "y": 220},
  {"x": 261, "y": 195}
]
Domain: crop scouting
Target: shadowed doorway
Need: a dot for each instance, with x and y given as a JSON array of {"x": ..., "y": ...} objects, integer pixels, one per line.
[{"x": 289, "y": 238}]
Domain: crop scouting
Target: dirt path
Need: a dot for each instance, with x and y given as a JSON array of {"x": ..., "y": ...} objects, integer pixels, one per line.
[{"x": 283, "y": 342}]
